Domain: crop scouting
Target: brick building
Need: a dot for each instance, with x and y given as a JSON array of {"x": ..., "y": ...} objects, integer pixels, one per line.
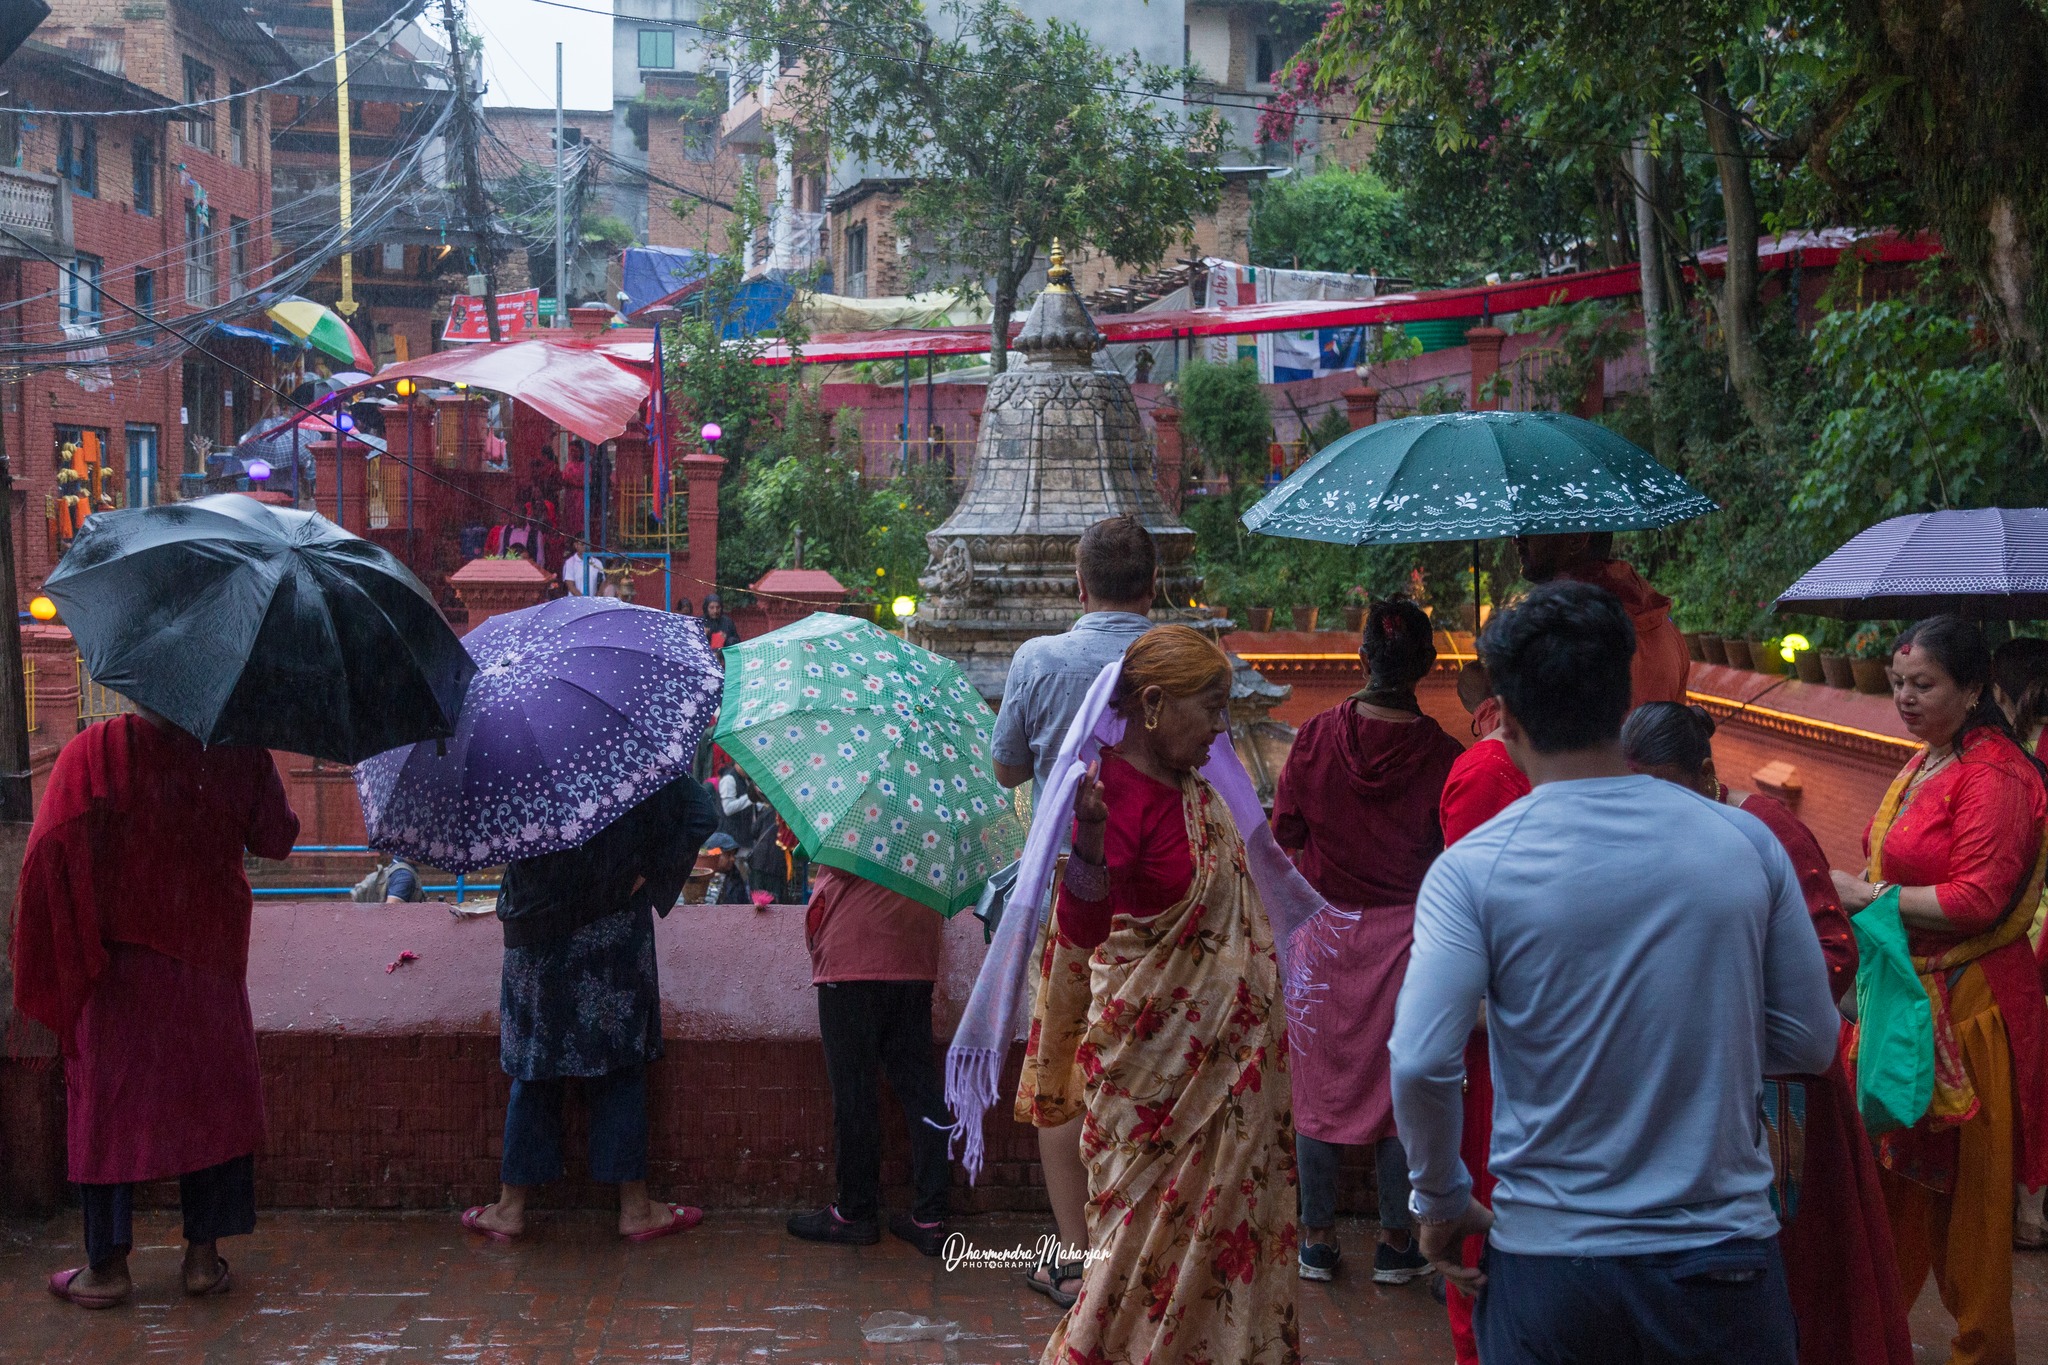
[
  {"x": 406, "y": 263},
  {"x": 170, "y": 216}
]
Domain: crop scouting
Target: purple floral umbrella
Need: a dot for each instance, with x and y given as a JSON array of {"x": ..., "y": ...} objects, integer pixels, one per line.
[{"x": 580, "y": 708}]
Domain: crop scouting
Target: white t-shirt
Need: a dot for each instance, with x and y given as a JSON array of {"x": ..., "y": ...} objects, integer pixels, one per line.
[{"x": 573, "y": 569}]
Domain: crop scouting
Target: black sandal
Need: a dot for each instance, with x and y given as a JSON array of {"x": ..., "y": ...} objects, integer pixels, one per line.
[{"x": 1060, "y": 1275}]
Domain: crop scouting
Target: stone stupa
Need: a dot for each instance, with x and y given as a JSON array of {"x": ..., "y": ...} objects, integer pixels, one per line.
[{"x": 1061, "y": 448}]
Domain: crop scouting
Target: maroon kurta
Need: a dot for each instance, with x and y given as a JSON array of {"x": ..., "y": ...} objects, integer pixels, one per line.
[
  {"x": 132, "y": 942},
  {"x": 1357, "y": 809},
  {"x": 1839, "y": 1265}
]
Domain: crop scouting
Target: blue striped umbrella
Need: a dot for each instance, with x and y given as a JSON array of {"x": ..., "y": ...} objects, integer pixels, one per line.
[{"x": 1986, "y": 562}]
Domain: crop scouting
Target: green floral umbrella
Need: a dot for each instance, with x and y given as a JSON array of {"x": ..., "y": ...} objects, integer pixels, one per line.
[
  {"x": 875, "y": 752},
  {"x": 1475, "y": 476}
]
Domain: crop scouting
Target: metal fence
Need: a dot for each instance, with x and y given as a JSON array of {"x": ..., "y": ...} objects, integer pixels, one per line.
[{"x": 96, "y": 702}]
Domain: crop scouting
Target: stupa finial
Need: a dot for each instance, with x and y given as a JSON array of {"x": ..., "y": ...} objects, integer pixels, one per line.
[{"x": 1058, "y": 279}]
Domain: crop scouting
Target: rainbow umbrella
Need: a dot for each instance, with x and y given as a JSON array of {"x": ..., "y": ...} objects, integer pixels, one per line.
[{"x": 321, "y": 328}]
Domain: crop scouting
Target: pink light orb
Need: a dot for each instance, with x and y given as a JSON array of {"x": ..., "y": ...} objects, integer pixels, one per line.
[{"x": 711, "y": 431}]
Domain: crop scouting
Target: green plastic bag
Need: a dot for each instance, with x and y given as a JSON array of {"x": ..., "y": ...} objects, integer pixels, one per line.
[{"x": 1894, "y": 1022}]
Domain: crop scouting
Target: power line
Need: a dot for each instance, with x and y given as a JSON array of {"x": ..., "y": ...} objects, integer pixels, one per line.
[{"x": 399, "y": 19}]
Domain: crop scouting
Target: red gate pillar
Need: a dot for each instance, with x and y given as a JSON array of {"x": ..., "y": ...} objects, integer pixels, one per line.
[
  {"x": 1362, "y": 406},
  {"x": 700, "y": 575},
  {"x": 1169, "y": 457},
  {"x": 1485, "y": 343}
]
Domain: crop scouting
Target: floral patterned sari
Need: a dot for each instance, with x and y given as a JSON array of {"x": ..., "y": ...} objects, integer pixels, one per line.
[{"x": 1189, "y": 1134}]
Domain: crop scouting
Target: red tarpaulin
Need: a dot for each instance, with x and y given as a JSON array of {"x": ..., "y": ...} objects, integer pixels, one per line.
[{"x": 578, "y": 385}]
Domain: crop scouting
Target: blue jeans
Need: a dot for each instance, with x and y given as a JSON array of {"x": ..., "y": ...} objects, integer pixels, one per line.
[
  {"x": 617, "y": 1102},
  {"x": 1317, "y": 1164},
  {"x": 1719, "y": 1305},
  {"x": 218, "y": 1201}
]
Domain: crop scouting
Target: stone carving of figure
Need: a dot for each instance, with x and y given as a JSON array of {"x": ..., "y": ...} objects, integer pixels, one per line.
[{"x": 952, "y": 573}]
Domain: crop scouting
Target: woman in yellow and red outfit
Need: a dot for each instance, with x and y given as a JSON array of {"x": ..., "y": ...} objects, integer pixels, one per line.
[{"x": 1960, "y": 834}]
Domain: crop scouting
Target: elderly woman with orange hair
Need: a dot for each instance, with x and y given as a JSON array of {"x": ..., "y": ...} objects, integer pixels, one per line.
[{"x": 1181, "y": 1055}]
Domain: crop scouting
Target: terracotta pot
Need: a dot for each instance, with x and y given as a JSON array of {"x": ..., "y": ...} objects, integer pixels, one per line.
[
  {"x": 1259, "y": 618},
  {"x": 1836, "y": 672},
  {"x": 1354, "y": 619},
  {"x": 1693, "y": 646},
  {"x": 1713, "y": 649},
  {"x": 1305, "y": 618},
  {"x": 1764, "y": 658},
  {"x": 1807, "y": 661},
  {"x": 1870, "y": 676},
  {"x": 1737, "y": 651}
]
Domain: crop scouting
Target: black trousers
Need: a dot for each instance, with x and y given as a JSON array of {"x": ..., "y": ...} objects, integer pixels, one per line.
[
  {"x": 885, "y": 1026},
  {"x": 218, "y": 1201}
]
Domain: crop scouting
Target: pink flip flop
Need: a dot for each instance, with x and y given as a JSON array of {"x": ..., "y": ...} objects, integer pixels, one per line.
[
  {"x": 682, "y": 1218},
  {"x": 60, "y": 1285},
  {"x": 469, "y": 1220}
]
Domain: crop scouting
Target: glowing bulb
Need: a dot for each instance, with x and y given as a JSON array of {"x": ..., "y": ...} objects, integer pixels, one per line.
[
  {"x": 879, "y": 573},
  {"x": 406, "y": 388},
  {"x": 344, "y": 422},
  {"x": 1791, "y": 645},
  {"x": 461, "y": 387},
  {"x": 711, "y": 432},
  {"x": 42, "y": 608},
  {"x": 904, "y": 608},
  {"x": 259, "y": 470}
]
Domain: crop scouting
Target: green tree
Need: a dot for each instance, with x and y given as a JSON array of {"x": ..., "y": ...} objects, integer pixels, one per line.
[
  {"x": 1336, "y": 220},
  {"x": 1009, "y": 133}
]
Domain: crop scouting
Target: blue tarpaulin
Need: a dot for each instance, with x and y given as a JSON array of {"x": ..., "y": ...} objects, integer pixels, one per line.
[
  {"x": 667, "y": 276},
  {"x": 663, "y": 275},
  {"x": 272, "y": 339}
]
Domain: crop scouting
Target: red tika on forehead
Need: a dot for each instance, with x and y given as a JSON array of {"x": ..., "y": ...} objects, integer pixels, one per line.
[{"x": 1906, "y": 648}]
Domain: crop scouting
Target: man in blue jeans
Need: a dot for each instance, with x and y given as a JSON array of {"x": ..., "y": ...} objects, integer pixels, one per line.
[{"x": 1645, "y": 957}]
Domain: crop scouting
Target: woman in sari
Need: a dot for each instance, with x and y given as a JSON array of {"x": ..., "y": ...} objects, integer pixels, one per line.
[
  {"x": 131, "y": 943},
  {"x": 1960, "y": 836},
  {"x": 1836, "y": 1241},
  {"x": 1357, "y": 808},
  {"x": 1186, "y": 1129}
]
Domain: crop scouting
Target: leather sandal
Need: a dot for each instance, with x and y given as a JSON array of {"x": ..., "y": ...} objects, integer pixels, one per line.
[{"x": 60, "y": 1285}]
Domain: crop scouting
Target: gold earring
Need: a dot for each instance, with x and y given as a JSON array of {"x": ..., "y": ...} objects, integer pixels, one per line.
[{"x": 1151, "y": 719}]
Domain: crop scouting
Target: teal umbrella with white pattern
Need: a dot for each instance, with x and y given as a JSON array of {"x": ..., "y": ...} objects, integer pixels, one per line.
[{"x": 876, "y": 753}]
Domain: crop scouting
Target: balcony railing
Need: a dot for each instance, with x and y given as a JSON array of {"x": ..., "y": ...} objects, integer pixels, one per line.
[
  {"x": 37, "y": 207},
  {"x": 96, "y": 702}
]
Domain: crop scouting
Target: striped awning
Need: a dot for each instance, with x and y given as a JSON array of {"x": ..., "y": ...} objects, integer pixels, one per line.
[{"x": 1987, "y": 562}]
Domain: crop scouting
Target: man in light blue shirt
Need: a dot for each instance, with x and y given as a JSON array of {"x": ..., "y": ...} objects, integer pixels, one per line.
[
  {"x": 1118, "y": 568},
  {"x": 1645, "y": 958}
]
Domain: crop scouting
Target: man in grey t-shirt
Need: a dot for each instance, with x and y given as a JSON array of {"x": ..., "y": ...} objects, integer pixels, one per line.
[
  {"x": 1118, "y": 567},
  {"x": 1119, "y": 571}
]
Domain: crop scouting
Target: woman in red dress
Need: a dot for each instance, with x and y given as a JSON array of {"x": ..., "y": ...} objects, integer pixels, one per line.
[
  {"x": 1836, "y": 1241},
  {"x": 131, "y": 943},
  {"x": 1356, "y": 808},
  {"x": 1960, "y": 836},
  {"x": 1483, "y": 783}
]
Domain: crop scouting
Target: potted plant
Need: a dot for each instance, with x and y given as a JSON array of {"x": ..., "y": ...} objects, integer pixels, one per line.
[
  {"x": 1867, "y": 659},
  {"x": 1305, "y": 618},
  {"x": 1713, "y": 649},
  {"x": 1737, "y": 649},
  {"x": 1806, "y": 662},
  {"x": 1356, "y": 603},
  {"x": 1694, "y": 649}
]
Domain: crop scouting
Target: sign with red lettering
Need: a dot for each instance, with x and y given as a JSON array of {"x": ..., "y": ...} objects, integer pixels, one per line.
[{"x": 518, "y": 316}]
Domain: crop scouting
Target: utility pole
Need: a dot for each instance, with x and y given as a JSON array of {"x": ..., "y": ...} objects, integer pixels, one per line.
[
  {"x": 561, "y": 210},
  {"x": 17, "y": 801},
  {"x": 476, "y": 205},
  {"x": 347, "y": 306}
]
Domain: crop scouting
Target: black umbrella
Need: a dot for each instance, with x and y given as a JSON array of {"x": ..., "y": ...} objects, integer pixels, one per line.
[
  {"x": 1988, "y": 562},
  {"x": 244, "y": 623}
]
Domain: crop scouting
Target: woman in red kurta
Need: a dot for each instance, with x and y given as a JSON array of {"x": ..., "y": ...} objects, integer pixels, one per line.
[
  {"x": 131, "y": 942},
  {"x": 1836, "y": 1243},
  {"x": 1960, "y": 835},
  {"x": 1483, "y": 783},
  {"x": 1357, "y": 809}
]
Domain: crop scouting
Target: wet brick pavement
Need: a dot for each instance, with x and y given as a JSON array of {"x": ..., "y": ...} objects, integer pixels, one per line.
[{"x": 359, "y": 1287}]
